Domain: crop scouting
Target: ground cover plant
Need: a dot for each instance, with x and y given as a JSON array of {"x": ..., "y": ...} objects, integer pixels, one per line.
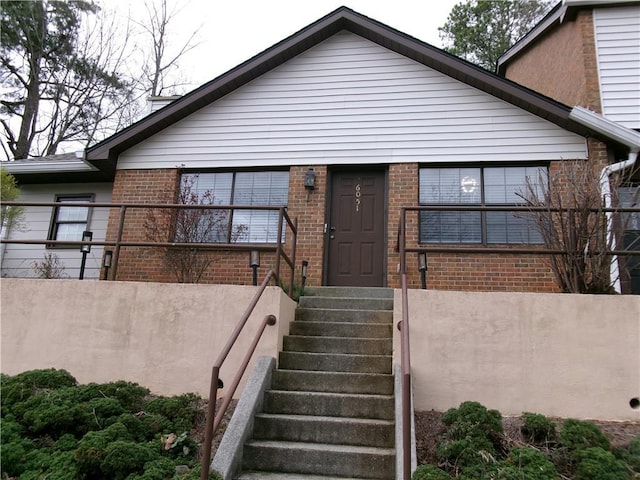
[
  {"x": 52, "y": 427},
  {"x": 470, "y": 442}
]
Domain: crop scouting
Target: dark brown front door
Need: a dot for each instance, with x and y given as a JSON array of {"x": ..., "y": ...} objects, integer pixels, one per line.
[{"x": 356, "y": 229}]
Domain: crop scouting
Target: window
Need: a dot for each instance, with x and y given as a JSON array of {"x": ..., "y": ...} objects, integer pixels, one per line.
[
  {"x": 242, "y": 188},
  {"x": 469, "y": 186},
  {"x": 69, "y": 222}
]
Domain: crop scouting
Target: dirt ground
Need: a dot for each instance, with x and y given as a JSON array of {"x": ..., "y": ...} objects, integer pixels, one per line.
[{"x": 429, "y": 427}]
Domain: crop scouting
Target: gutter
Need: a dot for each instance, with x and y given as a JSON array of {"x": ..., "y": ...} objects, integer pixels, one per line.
[{"x": 630, "y": 139}]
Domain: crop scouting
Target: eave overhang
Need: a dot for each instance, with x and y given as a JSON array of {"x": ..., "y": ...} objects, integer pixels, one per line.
[
  {"x": 64, "y": 168},
  {"x": 105, "y": 154}
]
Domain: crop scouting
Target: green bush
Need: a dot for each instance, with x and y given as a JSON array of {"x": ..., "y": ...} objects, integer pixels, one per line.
[
  {"x": 180, "y": 410},
  {"x": 473, "y": 419},
  {"x": 532, "y": 464},
  {"x": 474, "y": 435},
  {"x": 538, "y": 429},
  {"x": 429, "y": 472},
  {"x": 631, "y": 454},
  {"x": 18, "y": 388},
  {"x": 579, "y": 435},
  {"x": 92, "y": 448},
  {"x": 123, "y": 458},
  {"x": 13, "y": 447},
  {"x": 595, "y": 463}
]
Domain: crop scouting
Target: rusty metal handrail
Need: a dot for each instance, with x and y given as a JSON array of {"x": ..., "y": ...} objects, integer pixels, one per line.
[
  {"x": 405, "y": 359},
  {"x": 213, "y": 420},
  {"x": 284, "y": 223}
]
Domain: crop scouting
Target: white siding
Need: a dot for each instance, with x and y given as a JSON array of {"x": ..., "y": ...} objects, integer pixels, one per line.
[
  {"x": 350, "y": 101},
  {"x": 17, "y": 260},
  {"x": 617, "y": 33}
]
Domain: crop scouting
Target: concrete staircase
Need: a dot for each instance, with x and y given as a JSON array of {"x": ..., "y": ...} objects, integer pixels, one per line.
[{"x": 330, "y": 410}]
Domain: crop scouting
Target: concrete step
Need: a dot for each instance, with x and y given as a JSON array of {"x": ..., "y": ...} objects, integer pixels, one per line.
[
  {"x": 336, "y": 382},
  {"x": 343, "y": 315},
  {"x": 324, "y": 404},
  {"x": 322, "y": 459},
  {"x": 346, "y": 303},
  {"x": 331, "y": 430},
  {"x": 352, "y": 292},
  {"x": 342, "y": 329},
  {"x": 325, "y": 344},
  {"x": 289, "y": 476},
  {"x": 335, "y": 362}
]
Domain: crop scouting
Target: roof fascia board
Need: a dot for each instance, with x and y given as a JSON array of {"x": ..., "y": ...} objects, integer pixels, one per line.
[{"x": 594, "y": 121}]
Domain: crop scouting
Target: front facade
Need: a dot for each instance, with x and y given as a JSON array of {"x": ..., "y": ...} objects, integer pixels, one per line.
[{"x": 345, "y": 123}]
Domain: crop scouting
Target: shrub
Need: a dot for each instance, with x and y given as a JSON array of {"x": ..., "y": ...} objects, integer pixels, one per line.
[
  {"x": 92, "y": 448},
  {"x": 579, "y": 435},
  {"x": 538, "y": 428},
  {"x": 474, "y": 434},
  {"x": 123, "y": 458},
  {"x": 473, "y": 419},
  {"x": 180, "y": 410},
  {"x": 429, "y": 472},
  {"x": 595, "y": 463},
  {"x": 13, "y": 448},
  {"x": 532, "y": 464},
  {"x": 19, "y": 388},
  {"x": 631, "y": 454}
]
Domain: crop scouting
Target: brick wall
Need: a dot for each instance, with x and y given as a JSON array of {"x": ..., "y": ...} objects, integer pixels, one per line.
[
  {"x": 470, "y": 272},
  {"x": 308, "y": 206},
  {"x": 562, "y": 64}
]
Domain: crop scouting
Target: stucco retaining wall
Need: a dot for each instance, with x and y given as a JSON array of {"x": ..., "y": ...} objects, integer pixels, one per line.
[
  {"x": 557, "y": 354},
  {"x": 163, "y": 336}
]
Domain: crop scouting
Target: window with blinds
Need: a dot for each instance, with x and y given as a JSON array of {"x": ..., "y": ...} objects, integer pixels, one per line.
[
  {"x": 269, "y": 188},
  {"x": 70, "y": 221},
  {"x": 469, "y": 186}
]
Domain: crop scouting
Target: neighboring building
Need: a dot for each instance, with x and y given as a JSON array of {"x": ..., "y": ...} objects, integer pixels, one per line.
[
  {"x": 384, "y": 121},
  {"x": 587, "y": 53}
]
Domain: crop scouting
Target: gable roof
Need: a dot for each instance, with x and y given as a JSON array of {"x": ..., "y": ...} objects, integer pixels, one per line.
[{"x": 105, "y": 153}]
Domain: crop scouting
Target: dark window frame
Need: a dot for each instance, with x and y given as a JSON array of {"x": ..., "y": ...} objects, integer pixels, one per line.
[
  {"x": 55, "y": 223},
  {"x": 229, "y": 230},
  {"x": 483, "y": 223}
]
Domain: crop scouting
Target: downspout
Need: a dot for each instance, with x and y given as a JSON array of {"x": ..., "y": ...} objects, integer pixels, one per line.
[{"x": 605, "y": 189}]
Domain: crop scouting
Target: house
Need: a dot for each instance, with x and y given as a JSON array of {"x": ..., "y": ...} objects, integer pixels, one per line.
[
  {"x": 343, "y": 123},
  {"x": 587, "y": 54}
]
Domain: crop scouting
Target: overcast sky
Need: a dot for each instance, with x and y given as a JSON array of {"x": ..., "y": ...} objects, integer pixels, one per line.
[{"x": 233, "y": 31}]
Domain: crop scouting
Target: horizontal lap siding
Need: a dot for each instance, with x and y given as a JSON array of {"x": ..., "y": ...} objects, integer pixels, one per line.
[
  {"x": 348, "y": 100},
  {"x": 617, "y": 32},
  {"x": 18, "y": 260}
]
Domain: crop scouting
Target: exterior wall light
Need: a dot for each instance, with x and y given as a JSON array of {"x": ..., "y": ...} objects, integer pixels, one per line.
[
  {"x": 310, "y": 179},
  {"x": 85, "y": 248},
  {"x": 254, "y": 263},
  {"x": 106, "y": 263},
  {"x": 422, "y": 267}
]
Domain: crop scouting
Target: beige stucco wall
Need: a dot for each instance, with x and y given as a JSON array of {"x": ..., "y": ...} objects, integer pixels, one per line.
[
  {"x": 163, "y": 336},
  {"x": 557, "y": 354}
]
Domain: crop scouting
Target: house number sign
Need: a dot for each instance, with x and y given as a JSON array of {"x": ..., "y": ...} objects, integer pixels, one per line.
[{"x": 358, "y": 195}]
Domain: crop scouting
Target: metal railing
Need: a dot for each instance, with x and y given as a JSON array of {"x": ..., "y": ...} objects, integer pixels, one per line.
[
  {"x": 285, "y": 224},
  {"x": 405, "y": 356},
  {"x": 213, "y": 420},
  {"x": 403, "y": 249}
]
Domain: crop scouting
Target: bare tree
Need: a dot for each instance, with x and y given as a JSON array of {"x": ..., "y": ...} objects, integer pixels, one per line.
[
  {"x": 190, "y": 225},
  {"x": 574, "y": 219},
  {"x": 163, "y": 59},
  {"x": 63, "y": 80}
]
